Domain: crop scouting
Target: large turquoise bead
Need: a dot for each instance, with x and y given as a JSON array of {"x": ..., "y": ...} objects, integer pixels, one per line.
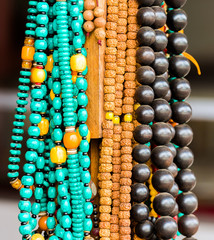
[
  {"x": 51, "y": 222},
  {"x": 31, "y": 156},
  {"x": 38, "y": 193},
  {"x": 25, "y": 206},
  {"x": 41, "y": 32},
  {"x": 66, "y": 221},
  {"x": 29, "y": 168},
  {"x": 35, "y": 118},
  {"x": 25, "y": 229},
  {"x": 57, "y": 134},
  {"x": 59, "y": 231},
  {"x": 26, "y": 192},
  {"x": 87, "y": 193},
  {"x": 33, "y": 131},
  {"x": 42, "y": 7},
  {"x": 41, "y": 44},
  {"x": 87, "y": 224},
  {"x": 36, "y": 208},
  {"x": 57, "y": 119},
  {"x": 60, "y": 176},
  {"x": 67, "y": 236},
  {"x": 83, "y": 130},
  {"x": 82, "y": 115},
  {"x": 36, "y": 106},
  {"x": 27, "y": 180},
  {"x": 81, "y": 83},
  {"x": 65, "y": 206},
  {"x": 77, "y": 42},
  {"x": 39, "y": 177},
  {"x": 86, "y": 176},
  {"x": 32, "y": 143},
  {"x": 33, "y": 222},
  {"x": 40, "y": 162},
  {"x": 51, "y": 207},
  {"x": 51, "y": 177},
  {"x": 41, "y": 147},
  {"x": 40, "y": 57},
  {"x": 24, "y": 216},
  {"x": 82, "y": 99},
  {"x": 62, "y": 190},
  {"x": 41, "y": 19},
  {"x": 84, "y": 146},
  {"x": 88, "y": 208}
]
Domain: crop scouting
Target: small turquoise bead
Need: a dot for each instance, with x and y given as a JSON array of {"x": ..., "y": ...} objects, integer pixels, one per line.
[
  {"x": 81, "y": 83},
  {"x": 31, "y": 156},
  {"x": 13, "y": 174},
  {"x": 33, "y": 222},
  {"x": 38, "y": 193},
  {"x": 76, "y": 26},
  {"x": 39, "y": 177},
  {"x": 57, "y": 135},
  {"x": 85, "y": 71},
  {"x": 88, "y": 208},
  {"x": 60, "y": 176},
  {"x": 67, "y": 236},
  {"x": 59, "y": 231},
  {"x": 25, "y": 229},
  {"x": 87, "y": 193},
  {"x": 14, "y": 159},
  {"x": 86, "y": 176},
  {"x": 66, "y": 221},
  {"x": 33, "y": 131},
  {"x": 41, "y": 32},
  {"x": 82, "y": 99},
  {"x": 83, "y": 130},
  {"x": 26, "y": 193},
  {"x": 56, "y": 87},
  {"x": 32, "y": 143},
  {"x": 57, "y": 119},
  {"x": 74, "y": 11},
  {"x": 24, "y": 217},
  {"x": 27, "y": 180},
  {"x": 36, "y": 208},
  {"x": 51, "y": 207},
  {"x": 66, "y": 207},
  {"x": 62, "y": 190},
  {"x": 36, "y": 106},
  {"x": 24, "y": 206},
  {"x": 31, "y": 32},
  {"x": 41, "y": 147},
  {"x": 40, "y": 162},
  {"x": 41, "y": 19},
  {"x": 29, "y": 168},
  {"x": 84, "y": 146},
  {"x": 51, "y": 177},
  {"x": 40, "y": 57},
  {"x": 37, "y": 93},
  {"x": 51, "y": 222},
  {"x": 82, "y": 115},
  {"x": 87, "y": 224},
  {"x": 42, "y": 7},
  {"x": 81, "y": 5},
  {"x": 84, "y": 52},
  {"x": 55, "y": 74},
  {"x": 77, "y": 42},
  {"x": 35, "y": 118},
  {"x": 41, "y": 44}
]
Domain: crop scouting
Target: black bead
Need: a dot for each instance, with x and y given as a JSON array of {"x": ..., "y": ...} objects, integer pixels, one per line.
[
  {"x": 161, "y": 157},
  {"x": 177, "y": 43},
  {"x": 168, "y": 96},
  {"x": 145, "y": 16},
  {"x": 166, "y": 227},
  {"x": 144, "y": 114},
  {"x": 179, "y": 66},
  {"x": 146, "y": 36},
  {"x": 142, "y": 134},
  {"x": 184, "y": 157},
  {"x": 160, "y": 42},
  {"x": 172, "y": 148},
  {"x": 141, "y": 173},
  {"x": 175, "y": 211},
  {"x": 183, "y": 135},
  {"x": 161, "y": 133},
  {"x": 144, "y": 230},
  {"x": 157, "y": 2},
  {"x": 139, "y": 192},
  {"x": 160, "y": 17},
  {"x": 180, "y": 88},
  {"x": 139, "y": 212},
  {"x": 174, "y": 190},
  {"x": 144, "y": 95},
  {"x": 162, "y": 110},
  {"x": 175, "y": 3},
  {"x": 176, "y": 20},
  {"x": 186, "y": 180},
  {"x": 145, "y": 3},
  {"x": 145, "y": 56},
  {"x": 141, "y": 153},
  {"x": 145, "y": 75},
  {"x": 162, "y": 180},
  {"x": 160, "y": 87},
  {"x": 188, "y": 225},
  {"x": 160, "y": 63},
  {"x": 187, "y": 202},
  {"x": 181, "y": 112},
  {"x": 164, "y": 204}
]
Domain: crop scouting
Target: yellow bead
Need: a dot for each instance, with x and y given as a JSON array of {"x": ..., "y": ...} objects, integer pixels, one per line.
[
  {"x": 78, "y": 62},
  {"x": 49, "y": 65},
  {"x": 37, "y": 75},
  {"x": 136, "y": 106},
  {"x": 43, "y": 126},
  {"x": 109, "y": 115},
  {"x": 27, "y": 53},
  {"x": 74, "y": 78},
  {"x": 128, "y": 118},
  {"x": 52, "y": 95},
  {"x": 37, "y": 236},
  {"x": 116, "y": 120},
  {"x": 16, "y": 183},
  {"x": 58, "y": 155}
]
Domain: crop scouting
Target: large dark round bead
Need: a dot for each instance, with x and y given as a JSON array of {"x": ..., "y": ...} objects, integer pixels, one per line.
[
  {"x": 186, "y": 180},
  {"x": 174, "y": 190},
  {"x": 160, "y": 87},
  {"x": 173, "y": 169},
  {"x": 145, "y": 55},
  {"x": 142, "y": 134},
  {"x": 161, "y": 133},
  {"x": 166, "y": 227},
  {"x": 191, "y": 238},
  {"x": 144, "y": 230},
  {"x": 184, "y": 157},
  {"x": 177, "y": 43},
  {"x": 162, "y": 110},
  {"x": 172, "y": 129},
  {"x": 146, "y": 36},
  {"x": 180, "y": 88},
  {"x": 175, "y": 211},
  {"x": 168, "y": 96},
  {"x": 176, "y": 20},
  {"x": 160, "y": 64},
  {"x": 187, "y": 202},
  {"x": 172, "y": 148},
  {"x": 179, "y": 66},
  {"x": 139, "y": 212},
  {"x": 144, "y": 95},
  {"x": 188, "y": 225},
  {"x": 141, "y": 153},
  {"x": 164, "y": 204},
  {"x": 145, "y": 114},
  {"x": 176, "y": 3},
  {"x": 161, "y": 157},
  {"x": 145, "y": 3},
  {"x": 181, "y": 112},
  {"x": 145, "y": 75},
  {"x": 183, "y": 135},
  {"x": 160, "y": 42},
  {"x": 160, "y": 17},
  {"x": 141, "y": 173},
  {"x": 145, "y": 16},
  {"x": 157, "y": 2},
  {"x": 139, "y": 192},
  {"x": 162, "y": 180}
]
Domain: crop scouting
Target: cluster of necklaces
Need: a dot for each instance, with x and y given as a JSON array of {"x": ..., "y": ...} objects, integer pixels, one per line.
[{"x": 144, "y": 178}]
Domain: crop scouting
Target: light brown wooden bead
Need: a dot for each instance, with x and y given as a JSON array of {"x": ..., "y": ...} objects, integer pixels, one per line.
[
  {"x": 110, "y": 73},
  {"x": 88, "y": 26},
  {"x": 128, "y": 109},
  {"x": 126, "y": 142},
  {"x": 130, "y": 84},
  {"x": 132, "y": 11},
  {"x": 111, "y": 34},
  {"x": 116, "y": 160},
  {"x": 121, "y": 29},
  {"x": 111, "y": 50},
  {"x": 111, "y": 43},
  {"x": 105, "y": 201},
  {"x": 116, "y": 168},
  {"x": 121, "y": 37},
  {"x": 130, "y": 68},
  {"x": 109, "y": 89},
  {"x": 117, "y": 111},
  {"x": 89, "y": 4},
  {"x": 132, "y": 19},
  {"x": 126, "y": 166},
  {"x": 105, "y": 168},
  {"x": 126, "y": 174},
  {"x": 117, "y": 138},
  {"x": 105, "y": 159},
  {"x": 105, "y": 184},
  {"x": 125, "y": 198},
  {"x": 104, "y": 232},
  {"x": 116, "y": 153},
  {"x": 108, "y": 133},
  {"x": 133, "y": 27},
  {"x": 131, "y": 52},
  {"x": 88, "y": 15},
  {"x": 112, "y": 17},
  {"x": 114, "y": 219},
  {"x": 110, "y": 58},
  {"x": 128, "y": 100},
  {"x": 125, "y": 182},
  {"x": 131, "y": 61},
  {"x": 98, "y": 12},
  {"x": 132, "y": 44},
  {"x": 116, "y": 202},
  {"x": 115, "y": 236},
  {"x": 112, "y": 10},
  {"x": 115, "y": 186},
  {"x": 118, "y": 102},
  {"x": 116, "y": 194},
  {"x": 126, "y": 150},
  {"x": 108, "y": 124},
  {"x": 124, "y": 214},
  {"x": 125, "y": 231},
  {"x": 105, "y": 209},
  {"x": 120, "y": 70},
  {"x": 116, "y": 146},
  {"x": 122, "y": 22},
  {"x": 111, "y": 26},
  {"x": 109, "y": 97},
  {"x": 126, "y": 158},
  {"x": 117, "y": 129},
  {"x": 121, "y": 54},
  {"x": 109, "y": 106},
  {"x": 104, "y": 176},
  {"x": 105, "y": 193},
  {"x": 100, "y": 33},
  {"x": 125, "y": 189},
  {"x": 125, "y": 222},
  {"x": 99, "y": 22},
  {"x": 121, "y": 62},
  {"x": 121, "y": 46},
  {"x": 114, "y": 228},
  {"x": 123, "y": 14},
  {"x": 109, "y": 81},
  {"x": 119, "y": 79},
  {"x": 125, "y": 237},
  {"x": 104, "y": 225},
  {"x": 133, "y": 3},
  {"x": 122, "y": 6},
  {"x": 130, "y": 76},
  {"x": 115, "y": 210},
  {"x": 112, "y": 2}
]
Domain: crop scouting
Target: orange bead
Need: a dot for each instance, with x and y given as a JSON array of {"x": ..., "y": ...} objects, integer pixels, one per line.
[
  {"x": 26, "y": 64},
  {"x": 43, "y": 223},
  {"x": 27, "y": 53},
  {"x": 38, "y": 75},
  {"x": 71, "y": 140},
  {"x": 43, "y": 126},
  {"x": 58, "y": 155},
  {"x": 29, "y": 41},
  {"x": 16, "y": 184},
  {"x": 49, "y": 65}
]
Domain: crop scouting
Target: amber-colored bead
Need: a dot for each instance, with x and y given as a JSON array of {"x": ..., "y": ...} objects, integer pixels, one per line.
[
  {"x": 58, "y": 155},
  {"x": 16, "y": 183},
  {"x": 78, "y": 62},
  {"x": 29, "y": 41},
  {"x": 109, "y": 115},
  {"x": 128, "y": 118},
  {"x": 52, "y": 95},
  {"x": 74, "y": 78},
  {"x": 49, "y": 65},
  {"x": 71, "y": 140},
  {"x": 26, "y": 64},
  {"x": 116, "y": 120},
  {"x": 43, "y": 223},
  {"x": 37, "y": 75},
  {"x": 37, "y": 236},
  {"x": 27, "y": 53},
  {"x": 43, "y": 126}
]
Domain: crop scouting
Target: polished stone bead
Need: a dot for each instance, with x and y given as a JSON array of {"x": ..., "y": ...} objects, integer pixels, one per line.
[
  {"x": 188, "y": 225},
  {"x": 179, "y": 66},
  {"x": 184, "y": 157},
  {"x": 180, "y": 88},
  {"x": 160, "y": 42},
  {"x": 162, "y": 180},
  {"x": 161, "y": 133},
  {"x": 176, "y": 20},
  {"x": 161, "y": 157},
  {"x": 160, "y": 63},
  {"x": 177, "y": 43},
  {"x": 139, "y": 212},
  {"x": 145, "y": 16},
  {"x": 186, "y": 180},
  {"x": 187, "y": 202},
  {"x": 176, "y": 3},
  {"x": 145, "y": 36},
  {"x": 141, "y": 173},
  {"x": 183, "y": 135},
  {"x": 141, "y": 153},
  {"x": 139, "y": 192},
  {"x": 145, "y": 75},
  {"x": 160, "y": 17},
  {"x": 144, "y": 230},
  {"x": 162, "y": 110},
  {"x": 142, "y": 134},
  {"x": 145, "y": 56},
  {"x": 166, "y": 227},
  {"x": 173, "y": 169},
  {"x": 144, "y": 95},
  {"x": 181, "y": 112},
  {"x": 144, "y": 114},
  {"x": 164, "y": 204},
  {"x": 160, "y": 87}
]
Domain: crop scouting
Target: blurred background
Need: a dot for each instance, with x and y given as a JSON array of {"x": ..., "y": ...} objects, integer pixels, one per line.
[{"x": 201, "y": 46}]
